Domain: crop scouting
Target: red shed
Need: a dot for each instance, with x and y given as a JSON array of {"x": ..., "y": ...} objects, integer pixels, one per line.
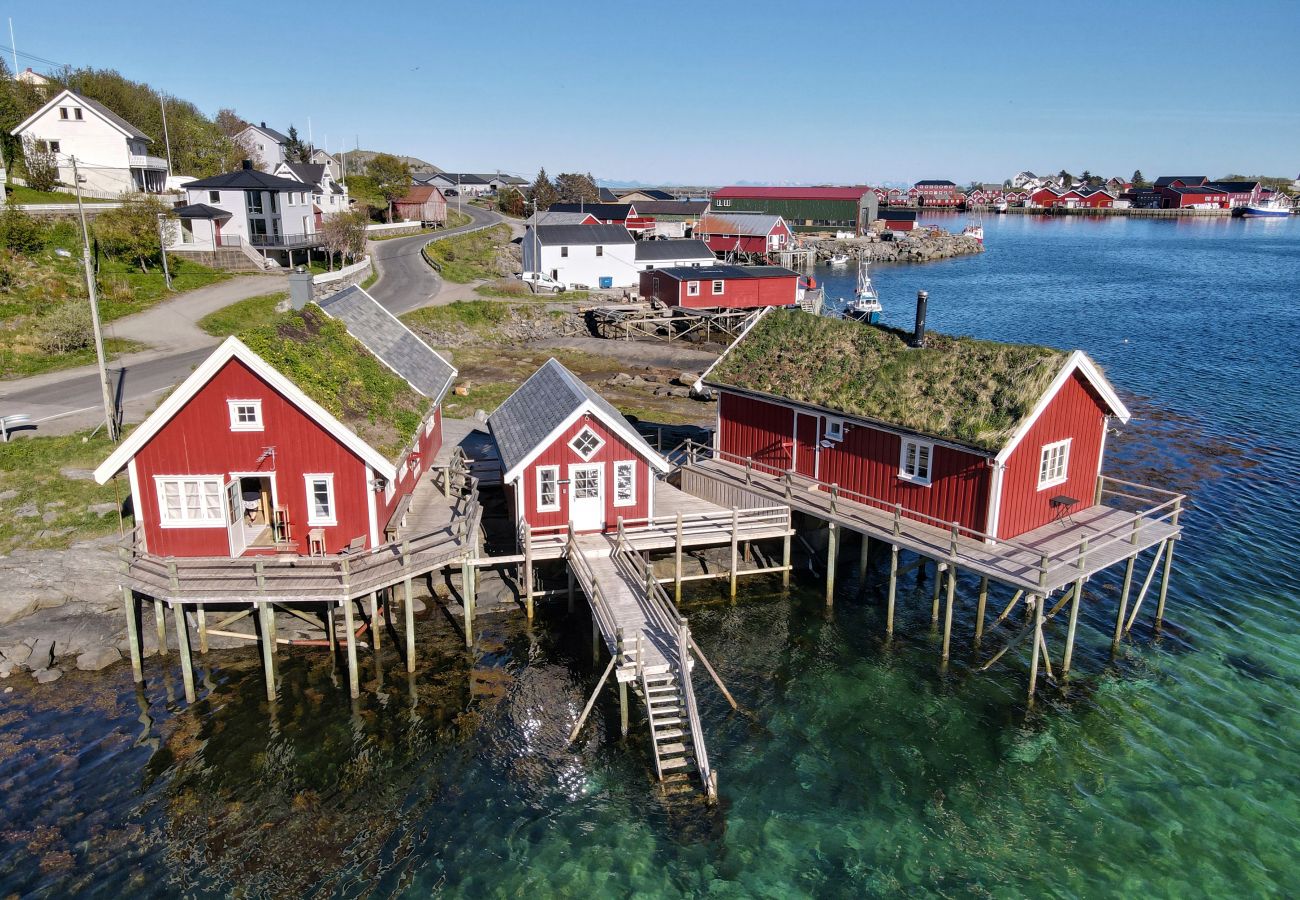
[
  {"x": 241, "y": 460},
  {"x": 734, "y": 287},
  {"x": 743, "y": 232},
  {"x": 1094, "y": 198},
  {"x": 422, "y": 203},
  {"x": 1020, "y": 441},
  {"x": 569, "y": 457},
  {"x": 1197, "y": 197}
]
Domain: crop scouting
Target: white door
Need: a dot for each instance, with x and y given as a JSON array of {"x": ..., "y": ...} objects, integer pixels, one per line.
[
  {"x": 235, "y": 518},
  {"x": 587, "y": 497}
]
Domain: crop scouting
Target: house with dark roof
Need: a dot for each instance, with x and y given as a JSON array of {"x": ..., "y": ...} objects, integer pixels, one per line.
[
  {"x": 298, "y": 437},
  {"x": 817, "y": 208},
  {"x": 605, "y": 195},
  {"x": 644, "y": 194},
  {"x": 1165, "y": 181},
  {"x": 112, "y": 154},
  {"x": 673, "y": 252},
  {"x": 605, "y": 213},
  {"x": 569, "y": 458},
  {"x": 722, "y": 286},
  {"x": 899, "y": 220},
  {"x": 265, "y": 146},
  {"x": 328, "y": 195},
  {"x": 463, "y": 184},
  {"x": 582, "y": 256},
  {"x": 1240, "y": 193},
  {"x": 1198, "y": 196}
]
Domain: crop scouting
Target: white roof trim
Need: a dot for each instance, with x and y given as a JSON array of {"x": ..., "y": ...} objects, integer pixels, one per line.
[
  {"x": 703, "y": 379},
  {"x": 621, "y": 428},
  {"x": 233, "y": 348},
  {"x": 1078, "y": 361},
  {"x": 54, "y": 101}
]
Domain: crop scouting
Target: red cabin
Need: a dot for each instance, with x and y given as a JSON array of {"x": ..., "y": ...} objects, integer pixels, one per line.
[
  {"x": 241, "y": 460},
  {"x": 1194, "y": 197},
  {"x": 899, "y": 220},
  {"x": 569, "y": 457},
  {"x": 743, "y": 232},
  {"x": 1094, "y": 198},
  {"x": 733, "y": 287},
  {"x": 1019, "y": 444}
]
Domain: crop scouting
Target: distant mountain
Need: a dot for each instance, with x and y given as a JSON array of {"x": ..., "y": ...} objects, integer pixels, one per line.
[{"x": 356, "y": 161}]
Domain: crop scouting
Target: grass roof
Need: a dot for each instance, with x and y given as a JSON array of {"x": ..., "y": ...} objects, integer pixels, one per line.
[
  {"x": 333, "y": 368},
  {"x": 957, "y": 388}
]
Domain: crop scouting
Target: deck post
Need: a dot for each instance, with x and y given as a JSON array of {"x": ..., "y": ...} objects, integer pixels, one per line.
[
  {"x": 1037, "y": 641},
  {"x": 354, "y": 683},
  {"x": 979, "y": 612},
  {"x": 595, "y": 637},
  {"x": 863, "y": 560},
  {"x": 947, "y": 615},
  {"x": 374, "y": 619},
  {"x": 270, "y": 617},
  {"x": 528, "y": 572},
  {"x": 677, "y": 560},
  {"x": 934, "y": 592},
  {"x": 160, "y": 624},
  {"x": 183, "y": 644},
  {"x": 1164, "y": 577},
  {"x": 1124, "y": 592},
  {"x": 330, "y": 634},
  {"x": 735, "y": 532},
  {"x": 832, "y": 539},
  {"x": 408, "y": 610},
  {"x": 268, "y": 642},
  {"x": 622, "y": 707},
  {"x": 893, "y": 590},
  {"x": 785, "y": 559},
  {"x": 1074, "y": 611},
  {"x": 133, "y": 633},
  {"x": 570, "y": 570},
  {"x": 467, "y": 599}
]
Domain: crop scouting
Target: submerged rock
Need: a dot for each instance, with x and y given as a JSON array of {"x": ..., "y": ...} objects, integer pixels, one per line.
[
  {"x": 97, "y": 658},
  {"x": 45, "y": 676}
]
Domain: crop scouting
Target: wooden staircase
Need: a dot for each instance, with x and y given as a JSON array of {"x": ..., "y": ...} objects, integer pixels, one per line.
[{"x": 669, "y": 740}]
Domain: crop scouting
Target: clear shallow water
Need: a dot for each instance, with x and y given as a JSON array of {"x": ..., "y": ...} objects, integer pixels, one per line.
[{"x": 858, "y": 769}]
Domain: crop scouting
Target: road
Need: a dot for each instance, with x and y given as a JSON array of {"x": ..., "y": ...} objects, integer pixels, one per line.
[{"x": 406, "y": 281}]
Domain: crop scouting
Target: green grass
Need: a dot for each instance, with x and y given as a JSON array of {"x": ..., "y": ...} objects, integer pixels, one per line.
[
  {"x": 248, "y": 313},
  {"x": 31, "y": 466},
  {"x": 21, "y": 194},
  {"x": 463, "y": 258},
  {"x": 486, "y": 396},
  {"x": 474, "y": 314},
  {"x": 370, "y": 279},
  {"x": 517, "y": 290},
  {"x": 23, "y": 365},
  {"x": 457, "y": 219}
]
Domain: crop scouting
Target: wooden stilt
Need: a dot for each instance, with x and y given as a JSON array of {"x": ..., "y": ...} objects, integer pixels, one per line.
[
  {"x": 864, "y": 553},
  {"x": 571, "y": 586},
  {"x": 785, "y": 561},
  {"x": 133, "y": 633},
  {"x": 1015, "y": 598},
  {"x": 1164, "y": 583},
  {"x": 1146, "y": 583},
  {"x": 735, "y": 533},
  {"x": 330, "y": 634},
  {"x": 1037, "y": 640},
  {"x": 622, "y": 707},
  {"x": 947, "y": 614},
  {"x": 375, "y": 627},
  {"x": 160, "y": 623},
  {"x": 979, "y": 611},
  {"x": 934, "y": 593},
  {"x": 201, "y": 620},
  {"x": 677, "y": 563},
  {"x": 832, "y": 539},
  {"x": 528, "y": 572},
  {"x": 268, "y": 644},
  {"x": 183, "y": 645},
  {"x": 595, "y": 639},
  {"x": 1069, "y": 634},
  {"x": 893, "y": 589},
  {"x": 349, "y": 624},
  {"x": 270, "y": 618},
  {"x": 408, "y": 611}
]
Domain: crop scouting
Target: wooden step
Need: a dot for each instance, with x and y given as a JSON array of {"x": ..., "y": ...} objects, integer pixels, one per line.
[
  {"x": 665, "y": 749},
  {"x": 669, "y": 720},
  {"x": 679, "y": 763},
  {"x": 664, "y": 734},
  {"x": 660, "y": 669},
  {"x": 666, "y": 689}
]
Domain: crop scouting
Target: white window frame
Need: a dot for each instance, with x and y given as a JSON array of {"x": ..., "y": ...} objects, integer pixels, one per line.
[
  {"x": 912, "y": 477},
  {"x": 630, "y": 465},
  {"x": 214, "y": 196},
  {"x": 313, "y": 519},
  {"x": 719, "y": 286},
  {"x": 573, "y": 444},
  {"x": 1063, "y": 464},
  {"x": 258, "y": 424},
  {"x": 164, "y": 521},
  {"x": 76, "y": 114},
  {"x": 834, "y": 429},
  {"x": 692, "y": 289},
  {"x": 554, "y": 472}
]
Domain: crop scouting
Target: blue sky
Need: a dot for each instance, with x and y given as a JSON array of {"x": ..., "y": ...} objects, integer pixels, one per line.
[{"x": 662, "y": 91}]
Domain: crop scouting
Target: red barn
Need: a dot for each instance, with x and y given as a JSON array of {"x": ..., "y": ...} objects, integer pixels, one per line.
[
  {"x": 1045, "y": 197},
  {"x": 422, "y": 203},
  {"x": 1194, "y": 197},
  {"x": 898, "y": 219},
  {"x": 569, "y": 457},
  {"x": 1018, "y": 445},
  {"x": 1240, "y": 193},
  {"x": 1093, "y": 198},
  {"x": 734, "y": 287},
  {"x": 743, "y": 232},
  {"x": 241, "y": 460}
]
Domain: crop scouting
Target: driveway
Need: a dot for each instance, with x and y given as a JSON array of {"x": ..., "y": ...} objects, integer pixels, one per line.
[{"x": 406, "y": 281}]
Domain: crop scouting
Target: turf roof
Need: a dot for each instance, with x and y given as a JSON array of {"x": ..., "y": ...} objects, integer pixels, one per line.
[
  {"x": 334, "y": 369},
  {"x": 956, "y": 388}
]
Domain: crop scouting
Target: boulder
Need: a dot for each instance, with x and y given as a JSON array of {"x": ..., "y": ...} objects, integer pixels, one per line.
[
  {"x": 97, "y": 658},
  {"x": 42, "y": 654},
  {"x": 8, "y": 494},
  {"x": 101, "y": 509},
  {"x": 45, "y": 676},
  {"x": 7, "y": 668},
  {"x": 27, "y": 511},
  {"x": 687, "y": 379},
  {"x": 18, "y": 654}
]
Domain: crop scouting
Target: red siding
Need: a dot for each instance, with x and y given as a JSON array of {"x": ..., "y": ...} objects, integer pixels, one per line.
[
  {"x": 1076, "y": 412},
  {"x": 198, "y": 441},
  {"x": 756, "y": 430},
  {"x": 559, "y": 453},
  {"x": 738, "y": 293},
  {"x": 408, "y": 476}
]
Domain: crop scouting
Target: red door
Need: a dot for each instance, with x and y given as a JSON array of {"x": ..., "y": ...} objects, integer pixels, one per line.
[{"x": 805, "y": 445}]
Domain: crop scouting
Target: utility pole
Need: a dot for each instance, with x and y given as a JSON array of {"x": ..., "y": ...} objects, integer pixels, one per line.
[
  {"x": 162, "y": 104},
  {"x": 162, "y": 247},
  {"x": 13, "y": 45},
  {"x": 109, "y": 419}
]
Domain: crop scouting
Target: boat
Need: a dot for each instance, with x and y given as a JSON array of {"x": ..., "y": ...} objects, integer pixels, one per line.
[
  {"x": 865, "y": 306},
  {"x": 839, "y": 259},
  {"x": 976, "y": 228},
  {"x": 1274, "y": 207}
]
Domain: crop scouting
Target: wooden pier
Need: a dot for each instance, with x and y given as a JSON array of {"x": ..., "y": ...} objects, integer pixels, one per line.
[{"x": 630, "y": 321}]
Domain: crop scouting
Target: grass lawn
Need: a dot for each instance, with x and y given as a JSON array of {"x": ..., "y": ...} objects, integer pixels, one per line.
[
  {"x": 19, "y": 364},
  {"x": 457, "y": 219},
  {"x": 34, "y": 468},
  {"x": 21, "y": 194},
  {"x": 245, "y": 314},
  {"x": 511, "y": 289},
  {"x": 469, "y": 257}
]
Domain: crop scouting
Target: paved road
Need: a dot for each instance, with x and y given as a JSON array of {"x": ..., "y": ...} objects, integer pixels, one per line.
[{"x": 406, "y": 281}]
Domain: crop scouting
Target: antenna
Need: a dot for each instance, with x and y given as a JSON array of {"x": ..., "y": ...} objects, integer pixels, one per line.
[{"x": 13, "y": 45}]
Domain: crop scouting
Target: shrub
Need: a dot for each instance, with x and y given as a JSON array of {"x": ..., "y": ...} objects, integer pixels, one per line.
[
  {"x": 40, "y": 164},
  {"x": 20, "y": 232},
  {"x": 66, "y": 328}
]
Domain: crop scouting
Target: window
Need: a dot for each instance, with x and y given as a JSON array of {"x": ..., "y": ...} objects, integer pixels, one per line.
[
  {"x": 718, "y": 287},
  {"x": 692, "y": 289},
  {"x": 214, "y": 196},
  {"x": 564, "y": 251},
  {"x": 320, "y": 500},
  {"x": 625, "y": 483},
  {"x": 190, "y": 502},
  {"x": 245, "y": 415},
  {"x": 914, "y": 465},
  {"x": 254, "y": 202},
  {"x": 63, "y": 112},
  {"x": 586, "y": 443},
  {"x": 1054, "y": 464},
  {"x": 600, "y": 251},
  {"x": 548, "y": 488},
  {"x": 76, "y": 113},
  {"x": 586, "y": 483},
  {"x": 835, "y": 429},
  {"x": 724, "y": 202}
]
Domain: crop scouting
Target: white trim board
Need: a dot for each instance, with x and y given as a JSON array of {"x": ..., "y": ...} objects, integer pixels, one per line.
[
  {"x": 1078, "y": 361},
  {"x": 54, "y": 102}
]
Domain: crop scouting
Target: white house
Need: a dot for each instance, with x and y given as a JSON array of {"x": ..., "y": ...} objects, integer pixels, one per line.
[
  {"x": 272, "y": 215},
  {"x": 266, "y": 145},
  {"x": 112, "y": 154},
  {"x": 592, "y": 256},
  {"x": 460, "y": 182},
  {"x": 665, "y": 254},
  {"x": 329, "y": 161},
  {"x": 328, "y": 195}
]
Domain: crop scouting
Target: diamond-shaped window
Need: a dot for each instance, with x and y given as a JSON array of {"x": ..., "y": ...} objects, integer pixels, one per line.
[{"x": 586, "y": 443}]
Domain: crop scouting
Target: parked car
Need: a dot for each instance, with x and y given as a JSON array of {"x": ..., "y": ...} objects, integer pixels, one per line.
[{"x": 540, "y": 281}]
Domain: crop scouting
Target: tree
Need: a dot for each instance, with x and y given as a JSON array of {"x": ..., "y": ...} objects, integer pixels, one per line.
[
  {"x": 1065, "y": 177},
  {"x": 1138, "y": 180},
  {"x": 571, "y": 187},
  {"x": 19, "y": 232},
  {"x": 230, "y": 122},
  {"x": 40, "y": 164},
  {"x": 392, "y": 178},
  {"x": 132, "y": 230},
  {"x": 18, "y": 100},
  {"x": 344, "y": 234},
  {"x": 295, "y": 150},
  {"x": 542, "y": 192},
  {"x": 510, "y": 201}
]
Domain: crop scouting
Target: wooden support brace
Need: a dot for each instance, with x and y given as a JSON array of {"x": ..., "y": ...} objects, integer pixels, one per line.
[
  {"x": 201, "y": 620},
  {"x": 1164, "y": 583},
  {"x": 980, "y": 608},
  {"x": 1146, "y": 584},
  {"x": 586, "y": 710},
  {"x": 349, "y": 626},
  {"x": 1015, "y": 598}
]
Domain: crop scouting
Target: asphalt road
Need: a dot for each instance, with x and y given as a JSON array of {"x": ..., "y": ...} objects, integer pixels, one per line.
[{"x": 406, "y": 281}]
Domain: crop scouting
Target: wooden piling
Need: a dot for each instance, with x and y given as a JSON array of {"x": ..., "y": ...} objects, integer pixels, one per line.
[
  {"x": 160, "y": 624},
  {"x": 270, "y": 618},
  {"x": 571, "y": 586},
  {"x": 1074, "y": 621},
  {"x": 408, "y": 611},
  {"x": 330, "y": 634},
  {"x": 528, "y": 572},
  {"x": 934, "y": 594},
  {"x": 832, "y": 539},
  {"x": 375, "y": 627},
  {"x": 864, "y": 553},
  {"x": 893, "y": 590},
  {"x": 468, "y": 576},
  {"x": 1037, "y": 641},
  {"x": 785, "y": 561},
  {"x": 947, "y": 615},
  {"x": 622, "y": 707},
  {"x": 979, "y": 612},
  {"x": 349, "y": 624},
  {"x": 268, "y": 643},
  {"x": 1164, "y": 583},
  {"x": 133, "y": 633},
  {"x": 1124, "y": 591},
  {"x": 183, "y": 645},
  {"x": 735, "y": 536},
  {"x": 677, "y": 562}
]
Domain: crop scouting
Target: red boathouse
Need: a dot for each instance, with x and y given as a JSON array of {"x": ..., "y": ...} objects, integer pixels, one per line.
[
  {"x": 998, "y": 438},
  {"x": 305, "y": 445},
  {"x": 733, "y": 287},
  {"x": 743, "y": 232}
]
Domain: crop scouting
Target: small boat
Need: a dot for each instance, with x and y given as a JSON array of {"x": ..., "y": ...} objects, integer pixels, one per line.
[
  {"x": 976, "y": 227},
  {"x": 1274, "y": 207},
  {"x": 865, "y": 306},
  {"x": 839, "y": 259}
]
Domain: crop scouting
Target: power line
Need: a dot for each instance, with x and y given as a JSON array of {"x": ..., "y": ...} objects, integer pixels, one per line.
[{"x": 34, "y": 58}]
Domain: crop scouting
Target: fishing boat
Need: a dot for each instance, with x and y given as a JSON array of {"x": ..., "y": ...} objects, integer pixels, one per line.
[
  {"x": 865, "y": 306},
  {"x": 1273, "y": 207},
  {"x": 976, "y": 227},
  {"x": 839, "y": 259}
]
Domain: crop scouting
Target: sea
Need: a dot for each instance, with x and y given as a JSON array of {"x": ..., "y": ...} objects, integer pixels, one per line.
[{"x": 855, "y": 766}]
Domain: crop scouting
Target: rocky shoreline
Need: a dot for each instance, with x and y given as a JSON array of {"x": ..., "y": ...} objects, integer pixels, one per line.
[{"x": 923, "y": 245}]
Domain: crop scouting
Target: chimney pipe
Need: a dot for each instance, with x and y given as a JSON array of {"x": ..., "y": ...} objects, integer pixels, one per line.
[
  {"x": 300, "y": 291},
  {"x": 246, "y": 165},
  {"x": 918, "y": 332}
]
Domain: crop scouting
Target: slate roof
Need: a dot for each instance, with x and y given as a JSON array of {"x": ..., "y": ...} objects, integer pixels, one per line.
[
  {"x": 599, "y": 210},
  {"x": 937, "y": 182},
  {"x": 392, "y": 342},
  {"x": 652, "y": 193},
  {"x": 606, "y": 195},
  {"x": 308, "y": 173},
  {"x": 897, "y": 215},
  {"x": 245, "y": 180},
  {"x": 671, "y": 207},
  {"x": 547, "y": 217},
  {"x": 540, "y": 405},
  {"x": 1166, "y": 180},
  {"x": 578, "y": 235},
  {"x": 687, "y": 248},
  {"x": 462, "y": 178},
  {"x": 747, "y": 224},
  {"x": 200, "y": 211},
  {"x": 261, "y": 126},
  {"x": 724, "y": 273},
  {"x": 113, "y": 117},
  {"x": 1234, "y": 187}
]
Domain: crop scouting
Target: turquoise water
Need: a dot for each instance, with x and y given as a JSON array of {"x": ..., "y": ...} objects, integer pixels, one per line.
[{"x": 857, "y": 768}]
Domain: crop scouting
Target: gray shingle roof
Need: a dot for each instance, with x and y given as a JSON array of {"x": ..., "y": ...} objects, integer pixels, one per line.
[
  {"x": 584, "y": 234},
  {"x": 113, "y": 117},
  {"x": 308, "y": 173},
  {"x": 689, "y": 248},
  {"x": 277, "y": 136},
  {"x": 245, "y": 180},
  {"x": 395, "y": 344},
  {"x": 724, "y": 272},
  {"x": 671, "y": 207},
  {"x": 540, "y": 405},
  {"x": 200, "y": 211},
  {"x": 546, "y": 217},
  {"x": 599, "y": 210}
]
